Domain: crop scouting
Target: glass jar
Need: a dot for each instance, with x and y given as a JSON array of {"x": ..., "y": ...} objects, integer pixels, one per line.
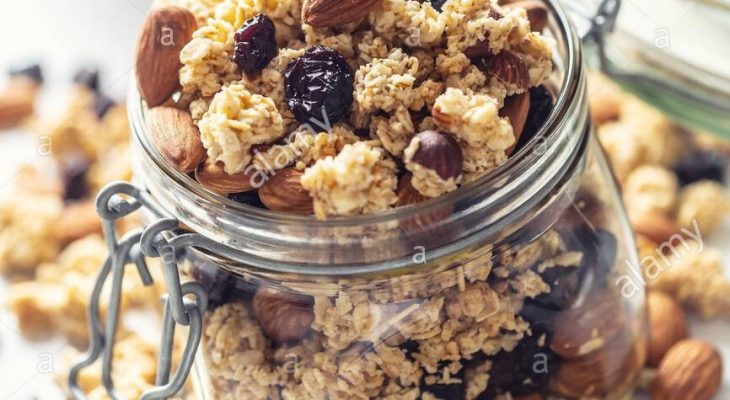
[{"x": 523, "y": 284}]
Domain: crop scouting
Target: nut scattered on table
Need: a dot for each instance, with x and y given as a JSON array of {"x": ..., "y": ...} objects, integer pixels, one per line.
[{"x": 692, "y": 369}]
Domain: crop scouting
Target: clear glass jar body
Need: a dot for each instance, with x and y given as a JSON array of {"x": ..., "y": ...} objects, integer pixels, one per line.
[{"x": 523, "y": 284}]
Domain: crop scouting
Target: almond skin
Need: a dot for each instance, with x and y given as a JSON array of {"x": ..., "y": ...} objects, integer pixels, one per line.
[
  {"x": 165, "y": 31},
  {"x": 330, "y": 13},
  {"x": 516, "y": 108},
  {"x": 284, "y": 192},
  {"x": 692, "y": 369},
  {"x": 655, "y": 226},
  {"x": 213, "y": 176},
  {"x": 667, "y": 325},
  {"x": 176, "y": 137},
  {"x": 283, "y": 316},
  {"x": 537, "y": 13},
  {"x": 589, "y": 326},
  {"x": 509, "y": 68}
]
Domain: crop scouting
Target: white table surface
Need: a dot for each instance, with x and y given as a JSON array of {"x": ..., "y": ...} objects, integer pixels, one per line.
[{"x": 63, "y": 35}]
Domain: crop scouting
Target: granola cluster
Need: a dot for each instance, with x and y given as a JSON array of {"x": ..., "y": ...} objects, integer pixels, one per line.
[{"x": 403, "y": 67}]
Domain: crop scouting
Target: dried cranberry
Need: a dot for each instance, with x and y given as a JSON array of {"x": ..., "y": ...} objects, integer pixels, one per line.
[
  {"x": 33, "y": 72},
  {"x": 319, "y": 86},
  {"x": 541, "y": 105},
  {"x": 74, "y": 170},
  {"x": 255, "y": 44},
  {"x": 88, "y": 77},
  {"x": 102, "y": 105},
  {"x": 524, "y": 370},
  {"x": 701, "y": 165},
  {"x": 217, "y": 282}
]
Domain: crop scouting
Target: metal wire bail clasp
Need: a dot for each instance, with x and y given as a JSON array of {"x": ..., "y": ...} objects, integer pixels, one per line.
[{"x": 132, "y": 249}]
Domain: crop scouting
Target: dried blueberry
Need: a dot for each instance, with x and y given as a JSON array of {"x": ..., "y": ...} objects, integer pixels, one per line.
[
  {"x": 524, "y": 370},
  {"x": 217, "y": 282},
  {"x": 102, "y": 105},
  {"x": 74, "y": 170},
  {"x": 701, "y": 165},
  {"x": 318, "y": 86},
  {"x": 33, "y": 72},
  {"x": 88, "y": 77},
  {"x": 541, "y": 105},
  {"x": 255, "y": 44}
]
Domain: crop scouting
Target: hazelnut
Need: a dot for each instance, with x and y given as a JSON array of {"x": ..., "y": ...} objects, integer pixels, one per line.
[
  {"x": 509, "y": 68},
  {"x": 407, "y": 194},
  {"x": 588, "y": 326},
  {"x": 283, "y": 316},
  {"x": 438, "y": 152},
  {"x": 692, "y": 369},
  {"x": 284, "y": 192},
  {"x": 667, "y": 325}
]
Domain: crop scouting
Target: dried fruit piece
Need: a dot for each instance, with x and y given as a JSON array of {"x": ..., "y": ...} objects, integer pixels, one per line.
[
  {"x": 218, "y": 283},
  {"x": 541, "y": 106},
  {"x": 333, "y": 13},
  {"x": 102, "y": 104},
  {"x": 537, "y": 12},
  {"x": 319, "y": 86},
  {"x": 701, "y": 165},
  {"x": 526, "y": 369},
  {"x": 73, "y": 170},
  {"x": 33, "y": 72},
  {"x": 88, "y": 78},
  {"x": 176, "y": 137},
  {"x": 667, "y": 325},
  {"x": 692, "y": 369},
  {"x": 596, "y": 374},
  {"x": 284, "y": 316},
  {"x": 284, "y": 192},
  {"x": 165, "y": 31},
  {"x": 255, "y": 44},
  {"x": 213, "y": 176},
  {"x": 588, "y": 326},
  {"x": 516, "y": 109}
]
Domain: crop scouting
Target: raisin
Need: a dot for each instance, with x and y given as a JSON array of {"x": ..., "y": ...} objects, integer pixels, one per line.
[
  {"x": 255, "y": 44},
  {"x": 74, "y": 170},
  {"x": 541, "y": 105},
  {"x": 217, "y": 282},
  {"x": 248, "y": 198},
  {"x": 102, "y": 105},
  {"x": 88, "y": 77},
  {"x": 599, "y": 248},
  {"x": 34, "y": 72},
  {"x": 524, "y": 370},
  {"x": 565, "y": 287},
  {"x": 319, "y": 85},
  {"x": 701, "y": 165}
]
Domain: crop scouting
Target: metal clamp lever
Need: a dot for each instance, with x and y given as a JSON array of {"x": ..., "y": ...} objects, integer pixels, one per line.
[{"x": 178, "y": 310}]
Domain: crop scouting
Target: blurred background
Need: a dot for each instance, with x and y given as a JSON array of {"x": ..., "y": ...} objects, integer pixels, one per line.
[{"x": 85, "y": 35}]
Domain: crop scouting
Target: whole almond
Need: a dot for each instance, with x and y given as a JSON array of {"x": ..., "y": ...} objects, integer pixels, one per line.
[
  {"x": 537, "y": 13},
  {"x": 284, "y": 192},
  {"x": 692, "y": 369},
  {"x": 332, "y": 13},
  {"x": 667, "y": 325},
  {"x": 165, "y": 31},
  {"x": 516, "y": 108},
  {"x": 213, "y": 176},
  {"x": 13, "y": 109},
  {"x": 588, "y": 326},
  {"x": 509, "y": 68},
  {"x": 595, "y": 375},
  {"x": 176, "y": 137},
  {"x": 656, "y": 226},
  {"x": 283, "y": 316}
]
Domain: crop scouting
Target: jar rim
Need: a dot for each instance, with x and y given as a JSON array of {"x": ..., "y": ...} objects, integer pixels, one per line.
[{"x": 572, "y": 87}]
